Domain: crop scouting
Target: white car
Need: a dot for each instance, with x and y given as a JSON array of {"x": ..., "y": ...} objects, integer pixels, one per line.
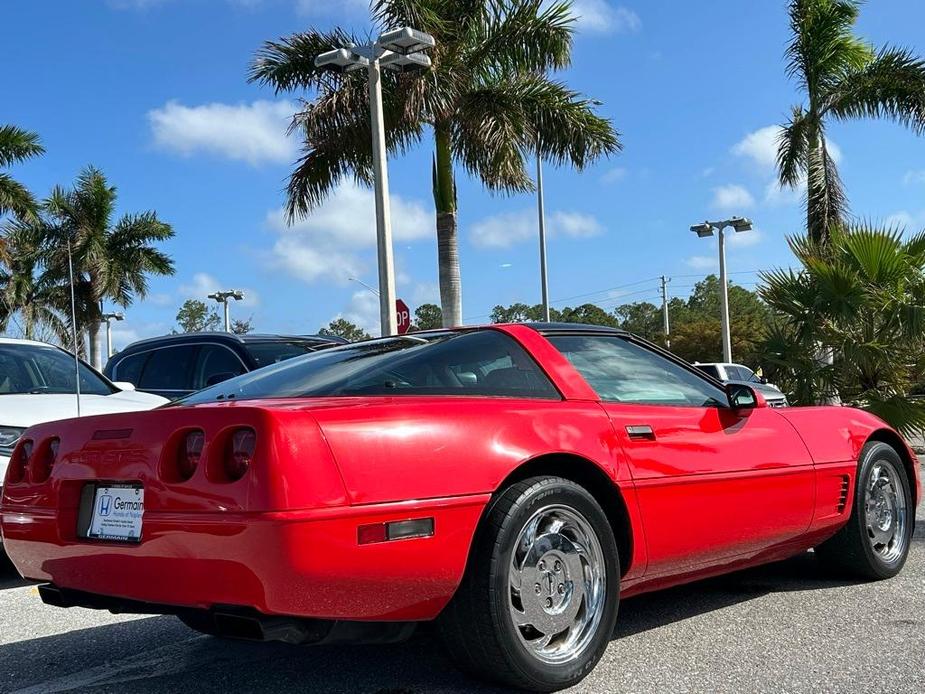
[{"x": 37, "y": 384}]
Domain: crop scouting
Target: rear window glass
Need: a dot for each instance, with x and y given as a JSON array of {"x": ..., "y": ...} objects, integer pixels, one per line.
[
  {"x": 486, "y": 363},
  {"x": 266, "y": 353},
  {"x": 168, "y": 368}
]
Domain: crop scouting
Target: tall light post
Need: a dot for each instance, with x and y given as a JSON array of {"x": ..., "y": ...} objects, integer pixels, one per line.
[
  {"x": 222, "y": 298},
  {"x": 108, "y": 318},
  {"x": 541, "y": 219},
  {"x": 400, "y": 50},
  {"x": 705, "y": 230}
]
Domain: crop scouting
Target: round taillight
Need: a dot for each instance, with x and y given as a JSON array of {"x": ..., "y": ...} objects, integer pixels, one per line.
[
  {"x": 190, "y": 453},
  {"x": 18, "y": 462},
  {"x": 238, "y": 460},
  {"x": 45, "y": 460}
]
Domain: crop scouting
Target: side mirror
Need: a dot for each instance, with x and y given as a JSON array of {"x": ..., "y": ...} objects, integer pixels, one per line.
[
  {"x": 743, "y": 397},
  {"x": 220, "y": 377},
  {"x": 124, "y": 385}
]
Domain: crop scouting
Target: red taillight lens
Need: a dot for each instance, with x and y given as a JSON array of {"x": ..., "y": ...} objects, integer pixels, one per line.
[
  {"x": 18, "y": 462},
  {"x": 45, "y": 460},
  {"x": 243, "y": 445},
  {"x": 190, "y": 453}
]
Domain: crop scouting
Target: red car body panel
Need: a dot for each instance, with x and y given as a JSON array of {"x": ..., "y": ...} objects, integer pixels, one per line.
[{"x": 716, "y": 490}]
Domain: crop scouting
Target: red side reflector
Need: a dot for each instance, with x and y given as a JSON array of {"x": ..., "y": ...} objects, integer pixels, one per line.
[{"x": 395, "y": 530}]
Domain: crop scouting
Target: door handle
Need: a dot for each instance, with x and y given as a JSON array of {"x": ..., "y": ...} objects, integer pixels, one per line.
[{"x": 640, "y": 432}]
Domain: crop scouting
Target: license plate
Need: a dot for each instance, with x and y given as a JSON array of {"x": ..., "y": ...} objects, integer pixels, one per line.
[{"x": 117, "y": 513}]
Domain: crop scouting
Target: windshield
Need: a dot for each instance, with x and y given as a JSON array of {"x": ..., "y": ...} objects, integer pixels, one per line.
[
  {"x": 266, "y": 353},
  {"x": 487, "y": 363},
  {"x": 38, "y": 369}
]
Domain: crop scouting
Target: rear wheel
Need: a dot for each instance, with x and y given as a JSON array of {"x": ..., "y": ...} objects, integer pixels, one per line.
[
  {"x": 874, "y": 544},
  {"x": 538, "y": 604}
]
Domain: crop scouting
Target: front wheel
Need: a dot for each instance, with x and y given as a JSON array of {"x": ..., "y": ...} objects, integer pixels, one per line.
[
  {"x": 538, "y": 604},
  {"x": 874, "y": 544}
]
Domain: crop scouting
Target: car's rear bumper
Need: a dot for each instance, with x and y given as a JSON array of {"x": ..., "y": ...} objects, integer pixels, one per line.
[{"x": 298, "y": 563}]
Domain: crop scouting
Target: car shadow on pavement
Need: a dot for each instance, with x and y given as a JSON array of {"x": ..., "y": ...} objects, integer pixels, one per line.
[
  {"x": 159, "y": 654},
  {"x": 9, "y": 578},
  {"x": 657, "y": 609}
]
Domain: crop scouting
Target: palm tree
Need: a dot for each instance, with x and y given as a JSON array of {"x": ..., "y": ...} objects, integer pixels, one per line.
[
  {"x": 16, "y": 145},
  {"x": 30, "y": 297},
  {"x": 861, "y": 298},
  {"x": 486, "y": 101},
  {"x": 112, "y": 261},
  {"x": 844, "y": 78}
]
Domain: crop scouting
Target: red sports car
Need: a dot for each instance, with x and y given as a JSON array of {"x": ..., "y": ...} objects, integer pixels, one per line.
[{"x": 511, "y": 482}]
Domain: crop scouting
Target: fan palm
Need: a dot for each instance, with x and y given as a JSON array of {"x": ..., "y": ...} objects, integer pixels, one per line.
[
  {"x": 844, "y": 78},
  {"x": 112, "y": 259},
  {"x": 16, "y": 145},
  {"x": 861, "y": 298},
  {"x": 486, "y": 101}
]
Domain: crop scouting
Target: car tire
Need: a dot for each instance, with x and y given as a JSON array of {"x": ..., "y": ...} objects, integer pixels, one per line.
[
  {"x": 532, "y": 611},
  {"x": 874, "y": 544}
]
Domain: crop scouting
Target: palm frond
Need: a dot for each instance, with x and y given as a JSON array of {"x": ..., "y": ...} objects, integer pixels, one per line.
[
  {"x": 289, "y": 63},
  {"x": 827, "y": 204},
  {"x": 792, "y": 147},
  {"x": 17, "y": 145},
  {"x": 891, "y": 86},
  {"x": 16, "y": 198}
]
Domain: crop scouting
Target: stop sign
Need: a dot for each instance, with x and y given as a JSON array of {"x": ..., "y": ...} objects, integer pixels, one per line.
[{"x": 403, "y": 315}]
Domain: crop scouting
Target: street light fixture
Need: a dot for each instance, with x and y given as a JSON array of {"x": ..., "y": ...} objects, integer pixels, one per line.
[
  {"x": 399, "y": 50},
  {"x": 222, "y": 298},
  {"x": 706, "y": 230},
  {"x": 108, "y": 318}
]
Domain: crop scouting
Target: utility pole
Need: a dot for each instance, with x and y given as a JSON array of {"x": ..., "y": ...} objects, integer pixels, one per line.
[{"x": 667, "y": 329}]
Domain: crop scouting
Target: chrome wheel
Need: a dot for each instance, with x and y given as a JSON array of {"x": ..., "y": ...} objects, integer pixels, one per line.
[
  {"x": 885, "y": 513},
  {"x": 558, "y": 584}
]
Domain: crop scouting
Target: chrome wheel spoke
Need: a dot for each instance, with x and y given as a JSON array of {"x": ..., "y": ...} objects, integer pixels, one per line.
[
  {"x": 885, "y": 513},
  {"x": 557, "y": 581}
]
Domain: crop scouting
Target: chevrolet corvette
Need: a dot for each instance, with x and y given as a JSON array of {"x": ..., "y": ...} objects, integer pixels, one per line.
[{"x": 511, "y": 483}]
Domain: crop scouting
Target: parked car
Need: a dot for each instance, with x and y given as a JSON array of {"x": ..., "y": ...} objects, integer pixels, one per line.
[
  {"x": 512, "y": 482},
  {"x": 37, "y": 384},
  {"x": 174, "y": 366},
  {"x": 737, "y": 373}
]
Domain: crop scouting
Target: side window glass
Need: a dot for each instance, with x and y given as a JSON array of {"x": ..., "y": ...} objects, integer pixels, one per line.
[
  {"x": 215, "y": 364},
  {"x": 168, "y": 368},
  {"x": 622, "y": 371},
  {"x": 129, "y": 369}
]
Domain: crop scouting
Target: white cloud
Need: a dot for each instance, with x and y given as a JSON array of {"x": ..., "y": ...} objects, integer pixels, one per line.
[
  {"x": 125, "y": 333},
  {"x": 744, "y": 239},
  {"x": 327, "y": 244},
  {"x": 703, "y": 262},
  {"x": 204, "y": 284},
  {"x": 732, "y": 198},
  {"x": 508, "y": 228},
  {"x": 255, "y": 133},
  {"x": 614, "y": 175},
  {"x": 760, "y": 147},
  {"x": 775, "y": 194},
  {"x": 599, "y": 16},
  {"x": 902, "y": 220},
  {"x": 914, "y": 177}
]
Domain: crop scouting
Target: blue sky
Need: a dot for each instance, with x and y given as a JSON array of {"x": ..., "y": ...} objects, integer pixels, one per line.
[{"x": 154, "y": 93}]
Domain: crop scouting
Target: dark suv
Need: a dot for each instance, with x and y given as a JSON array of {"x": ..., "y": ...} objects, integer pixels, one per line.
[{"x": 174, "y": 366}]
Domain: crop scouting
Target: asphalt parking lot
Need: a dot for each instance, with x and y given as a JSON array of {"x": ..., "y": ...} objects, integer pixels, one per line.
[{"x": 782, "y": 628}]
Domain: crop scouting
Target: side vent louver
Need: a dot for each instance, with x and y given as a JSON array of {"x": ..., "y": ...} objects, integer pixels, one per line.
[{"x": 843, "y": 494}]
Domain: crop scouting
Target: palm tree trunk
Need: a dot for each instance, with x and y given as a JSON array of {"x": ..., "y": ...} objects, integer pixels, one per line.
[{"x": 447, "y": 237}]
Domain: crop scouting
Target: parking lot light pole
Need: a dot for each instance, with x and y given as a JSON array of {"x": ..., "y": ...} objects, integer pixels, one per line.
[
  {"x": 401, "y": 50},
  {"x": 222, "y": 298},
  {"x": 108, "y": 318},
  {"x": 705, "y": 230},
  {"x": 541, "y": 213}
]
